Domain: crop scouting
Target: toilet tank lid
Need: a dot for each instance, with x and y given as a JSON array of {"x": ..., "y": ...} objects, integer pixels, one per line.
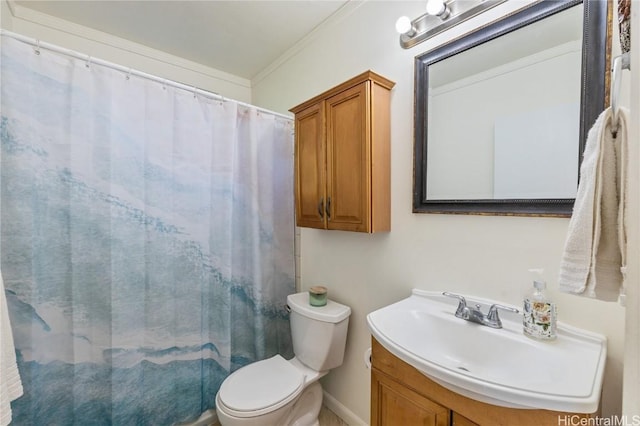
[{"x": 331, "y": 312}]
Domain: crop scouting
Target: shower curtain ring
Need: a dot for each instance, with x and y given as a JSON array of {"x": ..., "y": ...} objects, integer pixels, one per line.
[
  {"x": 128, "y": 76},
  {"x": 37, "y": 49},
  {"x": 88, "y": 64}
]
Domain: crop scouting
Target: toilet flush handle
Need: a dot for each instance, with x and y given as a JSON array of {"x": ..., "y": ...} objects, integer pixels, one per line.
[{"x": 287, "y": 308}]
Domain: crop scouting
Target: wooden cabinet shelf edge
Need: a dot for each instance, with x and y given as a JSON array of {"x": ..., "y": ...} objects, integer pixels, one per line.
[{"x": 342, "y": 157}]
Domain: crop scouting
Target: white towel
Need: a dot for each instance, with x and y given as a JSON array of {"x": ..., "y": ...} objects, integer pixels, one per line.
[
  {"x": 10, "y": 384},
  {"x": 594, "y": 257}
]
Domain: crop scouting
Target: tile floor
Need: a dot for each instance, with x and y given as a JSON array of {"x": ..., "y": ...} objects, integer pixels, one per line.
[{"x": 329, "y": 418}]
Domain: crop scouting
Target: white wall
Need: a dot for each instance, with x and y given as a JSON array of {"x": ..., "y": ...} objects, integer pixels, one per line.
[
  {"x": 476, "y": 255},
  {"x": 123, "y": 52}
]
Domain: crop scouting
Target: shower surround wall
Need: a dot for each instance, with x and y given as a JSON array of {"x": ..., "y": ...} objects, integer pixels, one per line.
[{"x": 146, "y": 240}]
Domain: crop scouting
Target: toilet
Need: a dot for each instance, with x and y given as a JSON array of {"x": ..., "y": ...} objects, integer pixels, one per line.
[{"x": 280, "y": 392}]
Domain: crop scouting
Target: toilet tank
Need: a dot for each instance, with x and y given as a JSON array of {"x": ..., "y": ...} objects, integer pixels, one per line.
[{"x": 319, "y": 333}]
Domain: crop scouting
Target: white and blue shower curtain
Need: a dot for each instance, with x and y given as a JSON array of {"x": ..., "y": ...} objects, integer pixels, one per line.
[{"x": 146, "y": 240}]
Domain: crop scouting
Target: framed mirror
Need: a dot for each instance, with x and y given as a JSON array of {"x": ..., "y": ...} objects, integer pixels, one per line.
[{"x": 502, "y": 114}]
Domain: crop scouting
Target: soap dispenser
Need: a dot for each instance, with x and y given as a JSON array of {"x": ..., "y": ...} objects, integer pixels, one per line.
[{"x": 539, "y": 313}]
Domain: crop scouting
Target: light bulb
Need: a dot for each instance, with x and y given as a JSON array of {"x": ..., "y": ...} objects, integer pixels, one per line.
[
  {"x": 437, "y": 8},
  {"x": 404, "y": 26}
]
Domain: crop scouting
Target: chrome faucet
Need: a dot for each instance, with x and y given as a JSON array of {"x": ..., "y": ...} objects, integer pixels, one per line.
[{"x": 474, "y": 314}]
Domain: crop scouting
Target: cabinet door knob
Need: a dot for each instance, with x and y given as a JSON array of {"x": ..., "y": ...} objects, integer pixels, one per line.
[
  {"x": 328, "y": 208},
  {"x": 321, "y": 208}
]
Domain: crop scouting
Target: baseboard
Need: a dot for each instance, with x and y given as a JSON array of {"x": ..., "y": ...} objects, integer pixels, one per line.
[
  {"x": 210, "y": 417},
  {"x": 207, "y": 418},
  {"x": 343, "y": 412}
]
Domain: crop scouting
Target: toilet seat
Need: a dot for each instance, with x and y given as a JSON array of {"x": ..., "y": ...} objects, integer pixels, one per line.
[{"x": 261, "y": 387}]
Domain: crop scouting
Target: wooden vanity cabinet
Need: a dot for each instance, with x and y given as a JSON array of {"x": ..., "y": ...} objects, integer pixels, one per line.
[
  {"x": 401, "y": 395},
  {"x": 397, "y": 404},
  {"x": 342, "y": 157}
]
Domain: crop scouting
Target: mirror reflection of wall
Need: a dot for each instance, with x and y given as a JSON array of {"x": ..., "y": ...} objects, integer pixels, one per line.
[{"x": 503, "y": 117}]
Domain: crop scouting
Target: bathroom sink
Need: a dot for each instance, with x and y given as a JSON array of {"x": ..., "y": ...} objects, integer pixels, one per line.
[{"x": 497, "y": 366}]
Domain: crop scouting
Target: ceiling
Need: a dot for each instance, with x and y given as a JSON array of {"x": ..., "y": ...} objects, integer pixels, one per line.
[{"x": 240, "y": 37}]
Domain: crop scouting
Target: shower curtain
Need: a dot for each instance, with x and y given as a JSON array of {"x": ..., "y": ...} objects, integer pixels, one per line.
[{"x": 146, "y": 240}]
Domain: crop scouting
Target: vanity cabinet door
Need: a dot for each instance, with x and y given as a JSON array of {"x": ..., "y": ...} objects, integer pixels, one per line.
[
  {"x": 458, "y": 420},
  {"x": 396, "y": 404}
]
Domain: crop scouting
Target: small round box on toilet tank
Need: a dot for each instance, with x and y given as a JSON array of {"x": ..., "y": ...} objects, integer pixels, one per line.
[{"x": 318, "y": 296}]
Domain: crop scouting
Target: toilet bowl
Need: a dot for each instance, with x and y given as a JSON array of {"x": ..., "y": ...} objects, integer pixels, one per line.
[
  {"x": 279, "y": 392},
  {"x": 270, "y": 392}
]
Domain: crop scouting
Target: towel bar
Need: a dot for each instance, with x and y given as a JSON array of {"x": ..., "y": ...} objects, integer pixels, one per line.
[{"x": 619, "y": 63}]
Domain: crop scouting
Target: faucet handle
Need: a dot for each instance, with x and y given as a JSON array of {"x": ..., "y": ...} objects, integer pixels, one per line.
[
  {"x": 493, "y": 312},
  {"x": 462, "y": 305},
  {"x": 455, "y": 296}
]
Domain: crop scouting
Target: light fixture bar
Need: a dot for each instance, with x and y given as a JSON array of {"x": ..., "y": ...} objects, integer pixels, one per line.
[{"x": 426, "y": 26}]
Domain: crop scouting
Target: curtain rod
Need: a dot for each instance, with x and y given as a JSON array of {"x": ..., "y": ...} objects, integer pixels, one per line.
[{"x": 128, "y": 71}]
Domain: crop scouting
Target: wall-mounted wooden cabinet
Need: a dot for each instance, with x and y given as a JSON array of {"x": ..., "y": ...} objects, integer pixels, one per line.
[
  {"x": 342, "y": 157},
  {"x": 401, "y": 395}
]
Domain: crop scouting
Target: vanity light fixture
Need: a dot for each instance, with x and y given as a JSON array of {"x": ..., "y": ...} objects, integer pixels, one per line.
[{"x": 440, "y": 16}]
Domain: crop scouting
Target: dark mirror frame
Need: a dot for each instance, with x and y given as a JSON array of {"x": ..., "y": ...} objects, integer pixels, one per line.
[{"x": 593, "y": 93}]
